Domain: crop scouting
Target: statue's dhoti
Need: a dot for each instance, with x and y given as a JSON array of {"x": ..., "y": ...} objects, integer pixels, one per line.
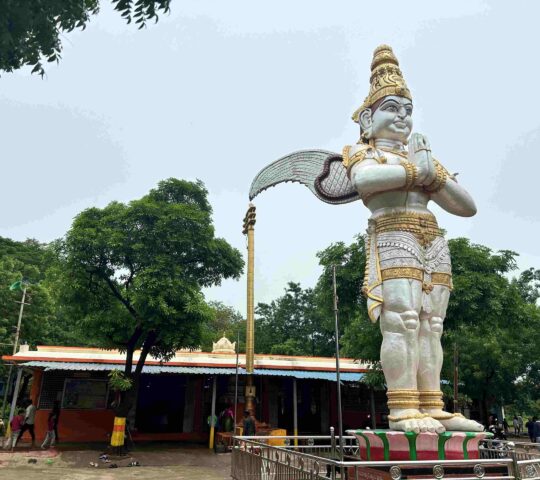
[{"x": 406, "y": 245}]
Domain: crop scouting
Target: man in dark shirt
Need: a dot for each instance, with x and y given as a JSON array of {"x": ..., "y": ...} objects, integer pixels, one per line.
[{"x": 249, "y": 424}]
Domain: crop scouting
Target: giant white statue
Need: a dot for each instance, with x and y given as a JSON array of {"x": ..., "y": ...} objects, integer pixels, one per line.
[{"x": 408, "y": 276}]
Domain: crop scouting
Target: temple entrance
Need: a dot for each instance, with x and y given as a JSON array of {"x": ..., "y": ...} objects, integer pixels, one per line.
[{"x": 160, "y": 406}]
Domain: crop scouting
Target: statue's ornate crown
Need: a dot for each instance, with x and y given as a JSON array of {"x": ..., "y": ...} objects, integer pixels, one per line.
[{"x": 386, "y": 79}]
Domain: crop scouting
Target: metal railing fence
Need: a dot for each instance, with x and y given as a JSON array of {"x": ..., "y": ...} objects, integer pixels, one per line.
[
  {"x": 319, "y": 457},
  {"x": 490, "y": 448}
]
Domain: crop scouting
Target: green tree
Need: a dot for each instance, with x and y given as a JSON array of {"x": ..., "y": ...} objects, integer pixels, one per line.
[
  {"x": 132, "y": 273},
  {"x": 28, "y": 260},
  {"x": 223, "y": 320},
  {"x": 358, "y": 336},
  {"x": 30, "y": 30},
  {"x": 291, "y": 325},
  {"x": 494, "y": 322},
  {"x": 25, "y": 264}
]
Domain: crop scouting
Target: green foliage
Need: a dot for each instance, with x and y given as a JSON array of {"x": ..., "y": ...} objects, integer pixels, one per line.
[
  {"x": 495, "y": 323},
  {"x": 30, "y": 30},
  {"x": 223, "y": 320},
  {"x": 359, "y": 337},
  {"x": 119, "y": 382},
  {"x": 131, "y": 275},
  {"x": 291, "y": 325},
  {"x": 29, "y": 260}
]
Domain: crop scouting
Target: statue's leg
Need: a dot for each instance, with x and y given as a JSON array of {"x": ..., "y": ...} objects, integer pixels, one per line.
[
  {"x": 431, "y": 328},
  {"x": 430, "y": 364},
  {"x": 400, "y": 354}
]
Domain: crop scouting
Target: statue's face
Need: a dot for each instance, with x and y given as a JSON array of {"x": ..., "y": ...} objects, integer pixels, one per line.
[{"x": 392, "y": 120}]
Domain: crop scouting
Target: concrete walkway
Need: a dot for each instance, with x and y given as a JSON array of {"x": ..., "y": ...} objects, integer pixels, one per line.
[{"x": 158, "y": 462}]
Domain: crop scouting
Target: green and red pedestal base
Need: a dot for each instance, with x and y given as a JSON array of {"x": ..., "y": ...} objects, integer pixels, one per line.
[{"x": 382, "y": 445}]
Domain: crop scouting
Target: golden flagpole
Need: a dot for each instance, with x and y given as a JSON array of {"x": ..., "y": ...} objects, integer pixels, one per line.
[{"x": 249, "y": 230}]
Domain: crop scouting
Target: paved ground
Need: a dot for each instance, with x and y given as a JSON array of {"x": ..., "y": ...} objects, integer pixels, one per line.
[{"x": 157, "y": 463}]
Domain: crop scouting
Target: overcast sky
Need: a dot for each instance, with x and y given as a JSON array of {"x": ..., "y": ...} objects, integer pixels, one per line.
[{"x": 218, "y": 89}]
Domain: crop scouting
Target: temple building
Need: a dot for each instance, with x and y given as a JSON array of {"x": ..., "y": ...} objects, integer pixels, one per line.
[{"x": 175, "y": 397}]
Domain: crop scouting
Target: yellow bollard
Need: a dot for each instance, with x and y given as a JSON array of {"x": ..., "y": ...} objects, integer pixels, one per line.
[
  {"x": 119, "y": 428},
  {"x": 211, "y": 443}
]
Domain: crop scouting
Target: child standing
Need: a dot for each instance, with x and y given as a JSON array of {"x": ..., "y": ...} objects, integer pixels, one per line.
[
  {"x": 51, "y": 436},
  {"x": 16, "y": 425}
]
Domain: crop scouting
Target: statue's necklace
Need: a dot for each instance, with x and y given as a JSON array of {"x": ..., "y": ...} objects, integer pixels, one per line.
[{"x": 400, "y": 153}]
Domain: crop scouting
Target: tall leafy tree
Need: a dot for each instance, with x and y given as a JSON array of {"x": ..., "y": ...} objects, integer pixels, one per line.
[
  {"x": 132, "y": 274},
  {"x": 31, "y": 30},
  {"x": 359, "y": 337},
  {"x": 24, "y": 264},
  {"x": 291, "y": 325},
  {"x": 495, "y": 323},
  {"x": 356, "y": 331}
]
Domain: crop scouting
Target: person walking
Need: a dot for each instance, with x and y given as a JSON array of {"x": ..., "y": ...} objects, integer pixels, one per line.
[
  {"x": 29, "y": 420},
  {"x": 515, "y": 423},
  {"x": 50, "y": 437},
  {"x": 56, "y": 411},
  {"x": 520, "y": 424}
]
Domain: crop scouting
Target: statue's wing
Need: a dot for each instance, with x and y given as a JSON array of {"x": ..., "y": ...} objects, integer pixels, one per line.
[{"x": 319, "y": 170}]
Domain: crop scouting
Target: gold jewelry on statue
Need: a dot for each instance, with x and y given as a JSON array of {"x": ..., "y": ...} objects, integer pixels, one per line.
[
  {"x": 345, "y": 155},
  {"x": 402, "y": 391},
  {"x": 402, "y": 398},
  {"x": 395, "y": 151},
  {"x": 402, "y": 404},
  {"x": 386, "y": 79},
  {"x": 415, "y": 273},
  {"x": 443, "y": 416},
  {"x": 441, "y": 175},
  {"x": 435, "y": 404},
  {"x": 422, "y": 225},
  {"x": 364, "y": 152},
  {"x": 431, "y": 399},
  {"x": 415, "y": 416},
  {"x": 402, "y": 272},
  {"x": 445, "y": 279},
  {"x": 411, "y": 174},
  {"x": 357, "y": 157}
]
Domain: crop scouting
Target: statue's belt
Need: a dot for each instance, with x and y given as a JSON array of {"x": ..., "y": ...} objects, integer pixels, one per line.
[
  {"x": 422, "y": 225},
  {"x": 435, "y": 278}
]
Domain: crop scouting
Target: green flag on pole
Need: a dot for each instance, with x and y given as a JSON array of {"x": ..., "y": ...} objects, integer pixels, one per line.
[{"x": 16, "y": 286}]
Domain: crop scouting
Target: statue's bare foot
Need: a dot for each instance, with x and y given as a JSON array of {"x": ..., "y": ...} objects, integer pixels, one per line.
[
  {"x": 455, "y": 422},
  {"x": 412, "y": 420}
]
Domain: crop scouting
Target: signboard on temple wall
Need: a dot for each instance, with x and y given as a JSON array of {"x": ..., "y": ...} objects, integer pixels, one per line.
[{"x": 85, "y": 393}]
